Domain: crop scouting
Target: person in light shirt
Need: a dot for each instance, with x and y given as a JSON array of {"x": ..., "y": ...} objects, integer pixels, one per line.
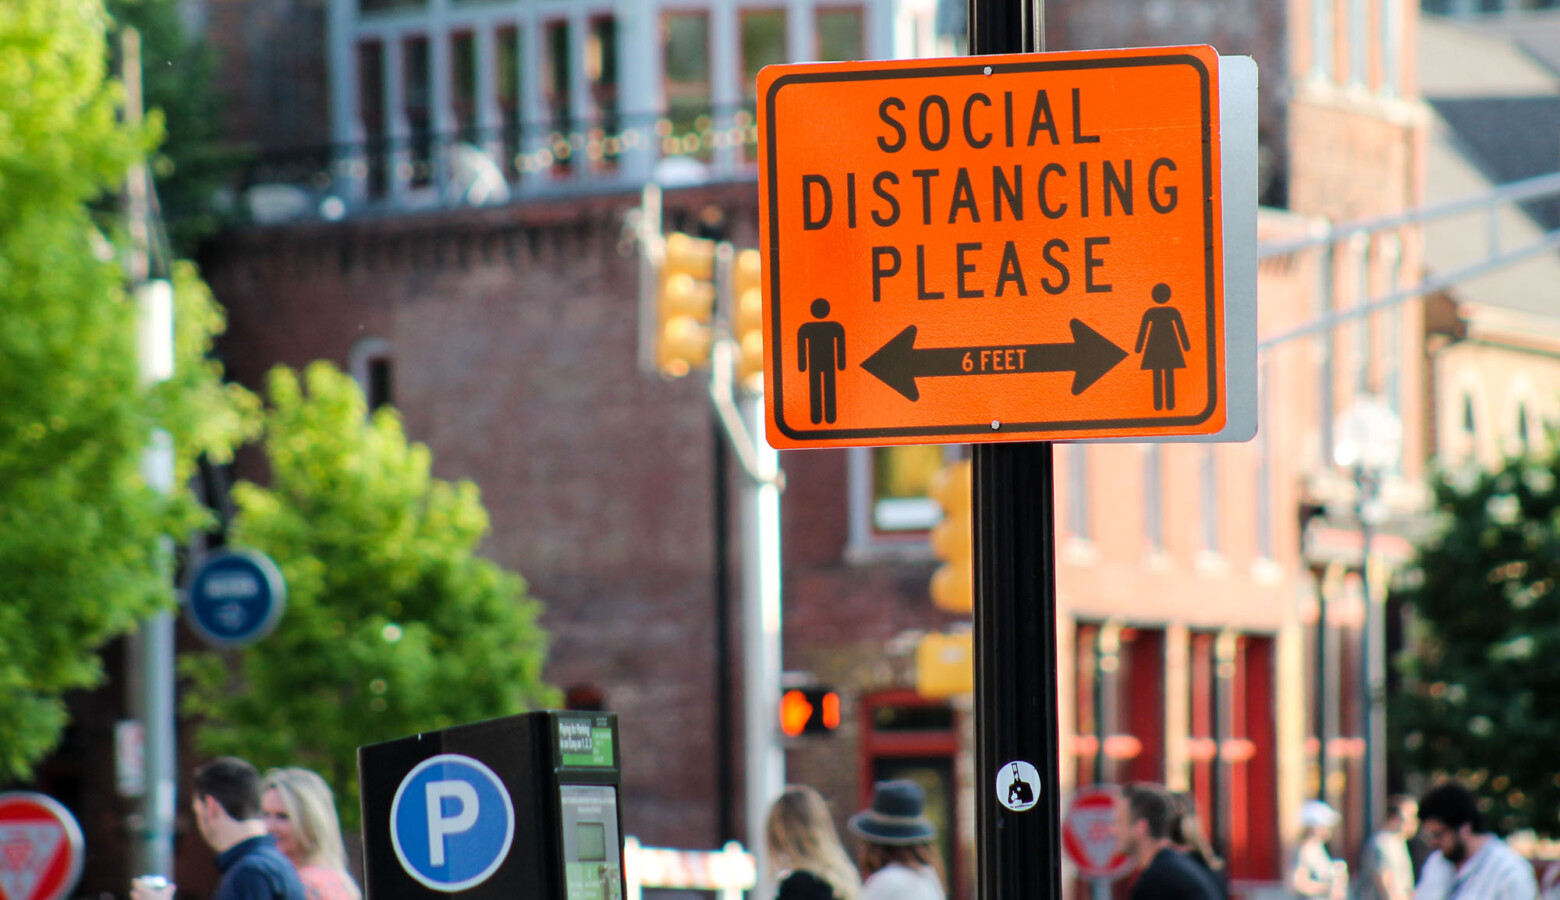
[{"x": 1468, "y": 862}]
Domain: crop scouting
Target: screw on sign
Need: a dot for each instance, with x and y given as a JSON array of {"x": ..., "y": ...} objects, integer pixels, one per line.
[
  {"x": 1089, "y": 834},
  {"x": 40, "y": 848}
]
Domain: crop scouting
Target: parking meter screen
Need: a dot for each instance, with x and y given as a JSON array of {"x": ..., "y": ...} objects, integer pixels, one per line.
[
  {"x": 591, "y": 840},
  {"x": 592, "y": 858}
]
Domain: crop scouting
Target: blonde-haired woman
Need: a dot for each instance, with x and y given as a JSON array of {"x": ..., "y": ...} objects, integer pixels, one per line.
[
  {"x": 300, "y": 812},
  {"x": 805, "y": 849}
]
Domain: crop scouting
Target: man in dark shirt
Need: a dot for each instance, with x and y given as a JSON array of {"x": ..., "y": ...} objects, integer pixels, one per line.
[
  {"x": 1143, "y": 813},
  {"x": 228, "y": 816}
]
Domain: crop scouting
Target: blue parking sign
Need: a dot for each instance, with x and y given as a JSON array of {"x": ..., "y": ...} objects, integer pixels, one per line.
[{"x": 451, "y": 822}]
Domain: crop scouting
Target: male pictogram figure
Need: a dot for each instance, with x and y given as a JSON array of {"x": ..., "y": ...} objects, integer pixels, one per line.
[
  {"x": 1165, "y": 335},
  {"x": 820, "y": 348}
]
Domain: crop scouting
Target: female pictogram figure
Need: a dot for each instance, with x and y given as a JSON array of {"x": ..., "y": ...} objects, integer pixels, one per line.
[
  {"x": 820, "y": 352},
  {"x": 1165, "y": 335}
]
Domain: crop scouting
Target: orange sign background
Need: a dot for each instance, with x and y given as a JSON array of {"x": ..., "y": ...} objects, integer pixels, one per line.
[{"x": 994, "y": 204}]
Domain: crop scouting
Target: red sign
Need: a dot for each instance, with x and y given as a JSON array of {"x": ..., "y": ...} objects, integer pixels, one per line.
[
  {"x": 40, "y": 848},
  {"x": 1089, "y": 833}
]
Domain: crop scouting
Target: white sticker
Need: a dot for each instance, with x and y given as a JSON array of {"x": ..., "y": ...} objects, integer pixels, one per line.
[{"x": 1018, "y": 786}]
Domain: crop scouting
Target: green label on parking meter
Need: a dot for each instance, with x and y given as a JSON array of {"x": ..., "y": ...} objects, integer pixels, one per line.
[{"x": 584, "y": 742}]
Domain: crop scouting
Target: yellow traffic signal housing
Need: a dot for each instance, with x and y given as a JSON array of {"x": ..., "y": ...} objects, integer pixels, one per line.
[
  {"x": 953, "y": 584},
  {"x": 747, "y": 327},
  {"x": 945, "y": 664},
  {"x": 685, "y": 304}
]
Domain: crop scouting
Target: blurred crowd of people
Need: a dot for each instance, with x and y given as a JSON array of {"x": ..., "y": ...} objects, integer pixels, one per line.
[
  {"x": 1465, "y": 861},
  {"x": 898, "y": 858},
  {"x": 276, "y": 837}
]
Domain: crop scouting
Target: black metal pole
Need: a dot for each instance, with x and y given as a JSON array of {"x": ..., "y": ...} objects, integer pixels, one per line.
[
  {"x": 725, "y": 740},
  {"x": 1018, "y": 851},
  {"x": 1017, "y": 847}
]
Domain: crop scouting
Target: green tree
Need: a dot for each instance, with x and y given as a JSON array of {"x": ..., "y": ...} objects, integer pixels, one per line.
[
  {"x": 78, "y": 524},
  {"x": 1483, "y": 702},
  {"x": 394, "y": 625},
  {"x": 195, "y": 160}
]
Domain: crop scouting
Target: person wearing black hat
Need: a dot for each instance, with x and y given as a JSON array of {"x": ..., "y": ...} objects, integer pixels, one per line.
[{"x": 899, "y": 856}]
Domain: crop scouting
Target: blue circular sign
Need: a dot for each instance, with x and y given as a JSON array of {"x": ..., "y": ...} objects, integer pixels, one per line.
[
  {"x": 236, "y": 597},
  {"x": 451, "y": 822}
]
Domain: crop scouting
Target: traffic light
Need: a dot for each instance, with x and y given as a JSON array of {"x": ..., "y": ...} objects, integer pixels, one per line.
[
  {"x": 685, "y": 304},
  {"x": 945, "y": 664},
  {"x": 809, "y": 710},
  {"x": 953, "y": 584},
  {"x": 747, "y": 326}
]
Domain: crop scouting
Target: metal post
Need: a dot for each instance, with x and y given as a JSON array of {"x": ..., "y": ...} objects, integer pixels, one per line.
[
  {"x": 151, "y": 649},
  {"x": 1018, "y": 854},
  {"x": 1370, "y": 663},
  {"x": 760, "y": 514},
  {"x": 1321, "y": 689},
  {"x": 724, "y": 775}
]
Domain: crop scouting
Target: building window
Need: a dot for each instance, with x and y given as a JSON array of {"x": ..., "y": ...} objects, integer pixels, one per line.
[
  {"x": 1359, "y": 43},
  {"x": 372, "y": 366},
  {"x": 1210, "y": 500},
  {"x": 1362, "y": 323},
  {"x": 463, "y": 84},
  {"x": 373, "y": 6},
  {"x": 901, "y": 477},
  {"x": 371, "y": 107},
  {"x": 1120, "y": 704},
  {"x": 1326, "y": 273},
  {"x": 1078, "y": 523},
  {"x": 557, "y": 98},
  {"x": 763, "y": 44},
  {"x": 419, "y": 107},
  {"x": 601, "y": 70},
  {"x": 508, "y": 77},
  {"x": 686, "y": 68},
  {"x": 1264, "y": 484},
  {"x": 1153, "y": 497},
  {"x": 1323, "y": 39},
  {"x": 1392, "y": 381},
  {"x": 1523, "y": 441},
  {"x": 1391, "y": 46},
  {"x": 841, "y": 35}
]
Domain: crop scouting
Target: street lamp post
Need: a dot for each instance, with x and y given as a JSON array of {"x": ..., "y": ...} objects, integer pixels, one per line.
[{"x": 1369, "y": 442}]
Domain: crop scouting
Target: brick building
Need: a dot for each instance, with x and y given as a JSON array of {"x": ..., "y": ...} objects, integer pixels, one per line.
[{"x": 456, "y": 241}]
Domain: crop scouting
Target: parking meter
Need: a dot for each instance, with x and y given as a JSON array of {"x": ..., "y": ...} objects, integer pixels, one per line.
[{"x": 519, "y": 808}]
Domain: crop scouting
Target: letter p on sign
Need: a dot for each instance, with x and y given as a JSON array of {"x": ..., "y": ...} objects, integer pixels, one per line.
[
  {"x": 451, "y": 823},
  {"x": 441, "y": 826}
]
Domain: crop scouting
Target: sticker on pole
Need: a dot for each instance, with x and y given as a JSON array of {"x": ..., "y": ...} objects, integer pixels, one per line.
[
  {"x": 1089, "y": 834},
  {"x": 40, "y": 847},
  {"x": 1018, "y": 786},
  {"x": 451, "y": 822},
  {"x": 1021, "y": 247}
]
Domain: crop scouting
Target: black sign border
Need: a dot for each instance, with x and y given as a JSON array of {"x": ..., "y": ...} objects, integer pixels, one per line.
[{"x": 983, "y": 431}]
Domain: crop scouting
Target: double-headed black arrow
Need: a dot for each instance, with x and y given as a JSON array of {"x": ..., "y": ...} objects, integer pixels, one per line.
[{"x": 899, "y": 363}]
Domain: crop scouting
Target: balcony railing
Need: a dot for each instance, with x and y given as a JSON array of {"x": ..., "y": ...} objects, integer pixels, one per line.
[{"x": 420, "y": 169}]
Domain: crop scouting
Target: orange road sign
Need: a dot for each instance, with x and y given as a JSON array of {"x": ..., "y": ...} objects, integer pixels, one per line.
[{"x": 995, "y": 248}]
